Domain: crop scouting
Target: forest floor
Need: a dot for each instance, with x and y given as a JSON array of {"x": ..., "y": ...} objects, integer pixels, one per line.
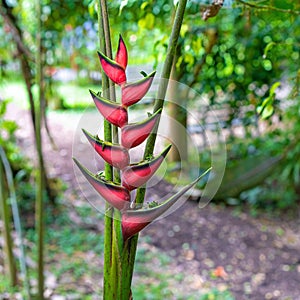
[{"x": 188, "y": 253}]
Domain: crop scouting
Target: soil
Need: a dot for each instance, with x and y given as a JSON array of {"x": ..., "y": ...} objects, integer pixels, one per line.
[{"x": 254, "y": 257}]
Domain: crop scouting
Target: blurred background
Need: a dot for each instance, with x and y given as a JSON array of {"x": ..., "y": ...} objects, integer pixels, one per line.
[{"x": 240, "y": 75}]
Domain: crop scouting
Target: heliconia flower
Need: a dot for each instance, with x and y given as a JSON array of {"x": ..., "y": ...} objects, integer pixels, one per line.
[
  {"x": 133, "y": 221},
  {"x": 114, "y": 154},
  {"x": 112, "y": 69},
  {"x": 134, "y": 92},
  {"x": 136, "y": 175},
  {"x": 111, "y": 111},
  {"x": 116, "y": 195},
  {"x": 122, "y": 55},
  {"x": 134, "y": 134}
]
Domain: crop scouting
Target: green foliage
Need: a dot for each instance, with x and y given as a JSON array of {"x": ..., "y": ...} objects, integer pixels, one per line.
[
  {"x": 5, "y": 287},
  {"x": 20, "y": 165},
  {"x": 8, "y": 141},
  {"x": 266, "y": 109},
  {"x": 217, "y": 295}
]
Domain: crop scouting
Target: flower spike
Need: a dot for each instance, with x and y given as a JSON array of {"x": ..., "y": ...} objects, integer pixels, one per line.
[
  {"x": 114, "y": 154},
  {"x": 111, "y": 111},
  {"x": 136, "y": 175},
  {"x": 122, "y": 55},
  {"x": 134, "y": 92},
  {"x": 134, "y": 134},
  {"x": 114, "y": 194},
  {"x": 112, "y": 69},
  {"x": 133, "y": 221}
]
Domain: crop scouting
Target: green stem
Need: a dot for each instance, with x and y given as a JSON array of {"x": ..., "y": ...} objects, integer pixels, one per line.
[
  {"x": 166, "y": 72},
  {"x": 113, "y": 232},
  {"x": 117, "y": 238},
  {"x": 40, "y": 172},
  {"x": 131, "y": 246},
  {"x": 128, "y": 259},
  {"x": 162, "y": 88},
  {"x": 108, "y": 219},
  {"x": 269, "y": 7},
  {"x": 8, "y": 245},
  {"x": 16, "y": 217}
]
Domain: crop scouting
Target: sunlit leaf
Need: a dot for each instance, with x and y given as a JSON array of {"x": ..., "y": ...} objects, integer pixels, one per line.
[
  {"x": 268, "y": 111},
  {"x": 274, "y": 87}
]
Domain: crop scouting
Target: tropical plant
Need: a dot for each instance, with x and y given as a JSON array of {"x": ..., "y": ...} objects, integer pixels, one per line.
[{"x": 126, "y": 217}]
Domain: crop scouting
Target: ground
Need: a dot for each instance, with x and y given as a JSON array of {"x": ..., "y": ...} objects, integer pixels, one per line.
[{"x": 190, "y": 252}]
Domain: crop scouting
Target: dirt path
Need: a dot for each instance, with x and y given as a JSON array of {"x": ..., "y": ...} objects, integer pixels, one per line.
[{"x": 260, "y": 256}]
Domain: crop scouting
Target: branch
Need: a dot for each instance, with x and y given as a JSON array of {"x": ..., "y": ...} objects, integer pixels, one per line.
[
  {"x": 165, "y": 75},
  {"x": 212, "y": 10},
  {"x": 266, "y": 7},
  {"x": 10, "y": 20}
]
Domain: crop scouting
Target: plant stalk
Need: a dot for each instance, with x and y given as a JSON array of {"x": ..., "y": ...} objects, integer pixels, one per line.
[
  {"x": 108, "y": 219},
  {"x": 8, "y": 244},
  {"x": 40, "y": 184},
  {"x": 162, "y": 88},
  {"x": 16, "y": 217},
  {"x": 113, "y": 233}
]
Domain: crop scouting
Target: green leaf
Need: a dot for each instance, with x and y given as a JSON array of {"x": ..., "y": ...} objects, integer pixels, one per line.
[
  {"x": 259, "y": 109},
  {"x": 274, "y": 87},
  {"x": 197, "y": 45},
  {"x": 189, "y": 59},
  {"x": 179, "y": 61},
  {"x": 268, "y": 111},
  {"x": 184, "y": 30},
  {"x": 150, "y": 19},
  {"x": 268, "y": 48},
  {"x": 144, "y": 5},
  {"x": 267, "y": 101}
]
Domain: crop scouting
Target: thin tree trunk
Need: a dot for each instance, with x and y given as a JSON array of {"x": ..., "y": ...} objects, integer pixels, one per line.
[
  {"x": 40, "y": 185},
  {"x": 8, "y": 244},
  {"x": 24, "y": 56},
  {"x": 23, "y": 53},
  {"x": 178, "y": 113}
]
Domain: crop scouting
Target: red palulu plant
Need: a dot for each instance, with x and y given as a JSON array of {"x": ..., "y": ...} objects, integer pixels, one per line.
[{"x": 129, "y": 217}]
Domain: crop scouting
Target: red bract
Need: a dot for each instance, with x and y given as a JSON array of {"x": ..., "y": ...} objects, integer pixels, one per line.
[
  {"x": 116, "y": 195},
  {"x": 116, "y": 155},
  {"x": 112, "y": 69},
  {"x": 134, "y": 221},
  {"x": 111, "y": 111},
  {"x": 122, "y": 56},
  {"x": 134, "y": 134},
  {"x": 134, "y": 92},
  {"x": 136, "y": 175}
]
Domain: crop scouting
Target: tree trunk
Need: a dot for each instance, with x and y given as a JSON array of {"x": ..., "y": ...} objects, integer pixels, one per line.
[
  {"x": 24, "y": 56},
  {"x": 8, "y": 244},
  {"x": 177, "y": 112}
]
